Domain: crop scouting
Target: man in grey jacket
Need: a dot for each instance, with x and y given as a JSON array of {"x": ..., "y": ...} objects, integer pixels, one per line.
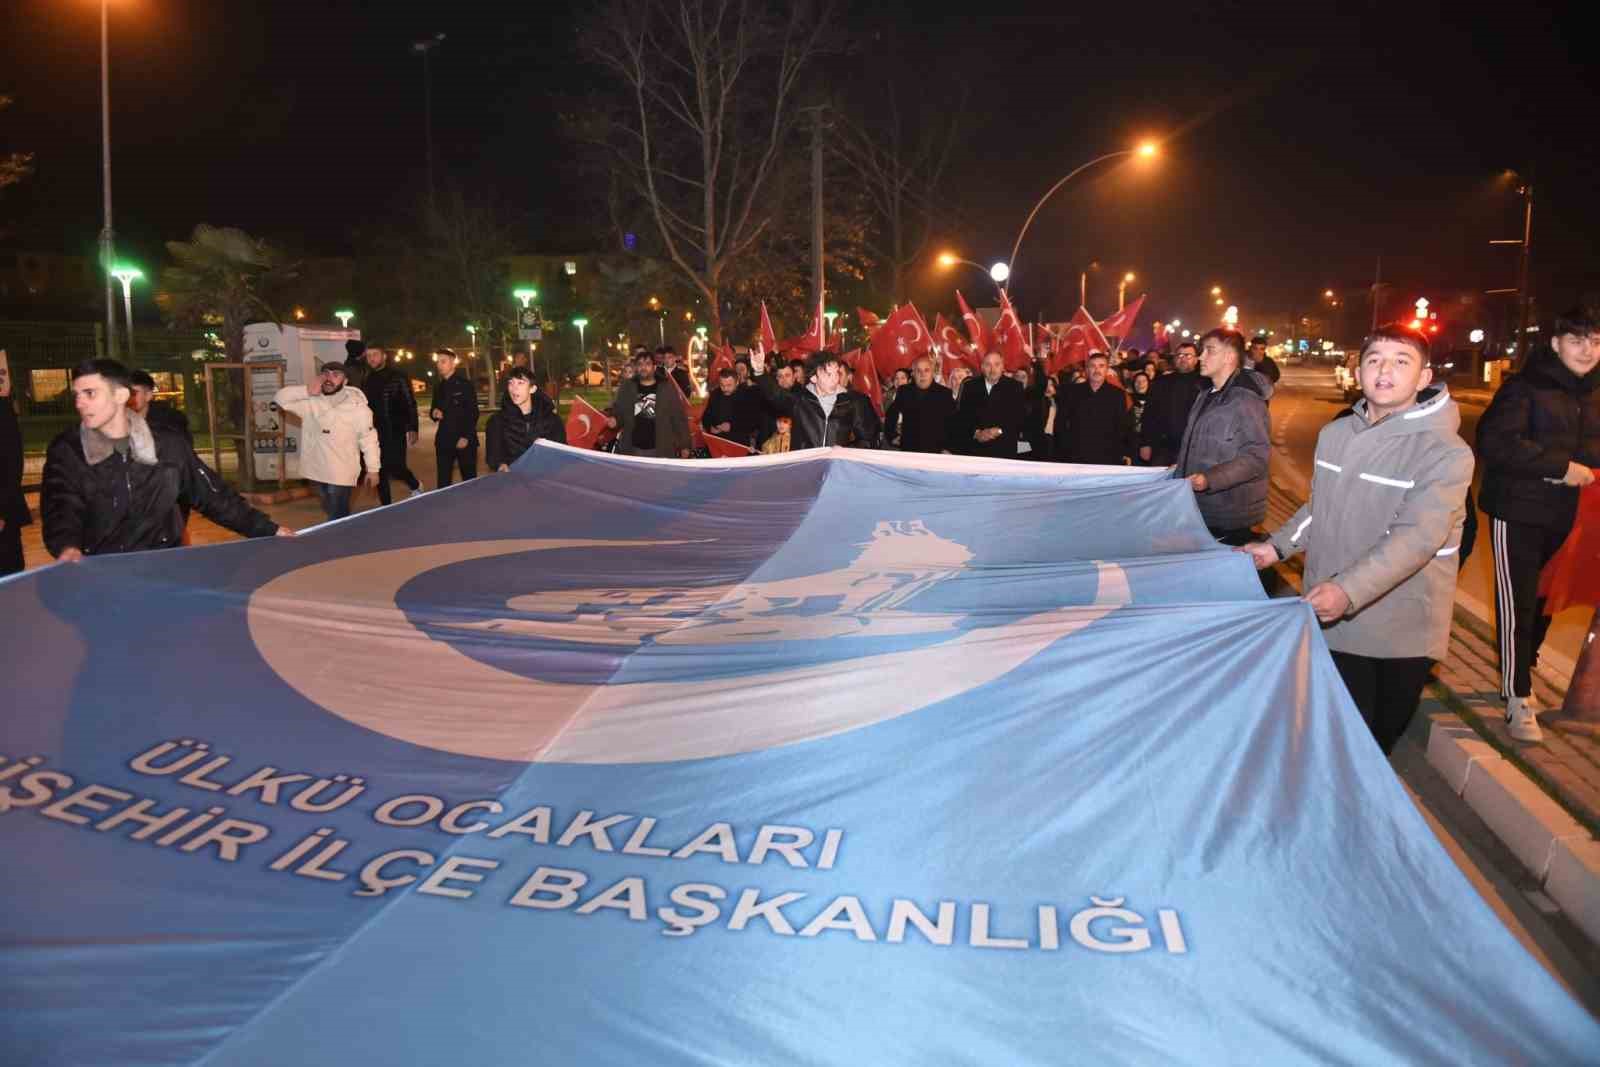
[
  {"x": 1382, "y": 530},
  {"x": 1226, "y": 443}
]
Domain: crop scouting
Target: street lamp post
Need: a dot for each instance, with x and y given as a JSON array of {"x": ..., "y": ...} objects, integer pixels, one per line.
[
  {"x": 580, "y": 323},
  {"x": 344, "y": 315},
  {"x": 108, "y": 253},
  {"x": 1122, "y": 289},
  {"x": 998, "y": 272},
  {"x": 1146, "y": 151},
  {"x": 1083, "y": 283},
  {"x": 425, "y": 49},
  {"x": 127, "y": 276}
]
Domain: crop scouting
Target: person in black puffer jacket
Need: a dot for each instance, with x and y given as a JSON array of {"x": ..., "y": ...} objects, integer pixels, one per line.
[
  {"x": 114, "y": 484},
  {"x": 394, "y": 416},
  {"x": 527, "y": 416},
  {"x": 454, "y": 412},
  {"x": 1538, "y": 444}
]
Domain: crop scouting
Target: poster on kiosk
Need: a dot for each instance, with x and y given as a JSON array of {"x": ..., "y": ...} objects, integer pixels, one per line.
[{"x": 301, "y": 350}]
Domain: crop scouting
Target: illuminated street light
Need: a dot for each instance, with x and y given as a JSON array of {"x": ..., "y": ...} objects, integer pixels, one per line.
[
  {"x": 527, "y": 296},
  {"x": 299, "y": 314},
  {"x": 1000, "y": 272},
  {"x": 1476, "y": 337},
  {"x": 1216, "y": 290},
  {"x": 1328, "y": 293},
  {"x": 1219, "y": 301},
  {"x": 344, "y": 315},
  {"x": 1231, "y": 316},
  {"x": 1145, "y": 150},
  {"x": 580, "y": 323},
  {"x": 830, "y": 316},
  {"x": 1122, "y": 289},
  {"x": 127, "y": 276}
]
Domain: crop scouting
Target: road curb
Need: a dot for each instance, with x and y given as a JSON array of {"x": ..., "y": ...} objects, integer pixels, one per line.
[{"x": 1557, "y": 851}]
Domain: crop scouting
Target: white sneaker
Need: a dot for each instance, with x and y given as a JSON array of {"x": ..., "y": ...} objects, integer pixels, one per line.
[
  {"x": 1534, "y": 704},
  {"x": 1520, "y": 721}
]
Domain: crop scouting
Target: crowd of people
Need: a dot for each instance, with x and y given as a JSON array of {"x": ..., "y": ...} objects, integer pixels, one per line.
[{"x": 1384, "y": 532}]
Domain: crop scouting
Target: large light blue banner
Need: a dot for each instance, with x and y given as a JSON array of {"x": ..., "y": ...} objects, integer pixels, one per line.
[{"x": 824, "y": 758}]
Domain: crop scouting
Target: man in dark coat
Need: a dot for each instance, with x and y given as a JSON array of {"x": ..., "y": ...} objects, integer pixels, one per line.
[
  {"x": 1539, "y": 444},
  {"x": 648, "y": 414},
  {"x": 13, "y": 505},
  {"x": 1258, "y": 360},
  {"x": 455, "y": 413},
  {"x": 112, "y": 484},
  {"x": 394, "y": 416},
  {"x": 158, "y": 413},
  {"x": 823, "y": 413},
  {"x": 671, "y": 366},
  {"x": 526, "y": 416},
  {"x": 1166, "y": 411},
  {"x": 731, "y": 412},
  {"x": 1227, "y": 444},
  {"x": 1094, "y": 424},
  {"x": 922, "y": 412},
  {"x": 990, "y": 412}
]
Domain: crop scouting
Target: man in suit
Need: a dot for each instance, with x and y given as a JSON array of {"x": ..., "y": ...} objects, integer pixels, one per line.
[
  {"x": 991, "y": 412},
  {"x": 1094, "y": 425},
  {"x": 919, "y": 419}
]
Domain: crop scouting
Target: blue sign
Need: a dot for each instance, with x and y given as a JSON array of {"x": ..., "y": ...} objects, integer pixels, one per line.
[{"x": 827, "y": 758}]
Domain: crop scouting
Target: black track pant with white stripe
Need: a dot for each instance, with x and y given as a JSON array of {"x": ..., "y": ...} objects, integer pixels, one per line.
[{"x": 1520, "y": 553}]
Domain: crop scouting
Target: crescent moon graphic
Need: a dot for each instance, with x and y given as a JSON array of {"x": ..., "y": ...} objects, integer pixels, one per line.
[
  {"x": 916, "y": 330},
  {"x": 454, "y": 703},
  {"x": 583, "y": 419}
]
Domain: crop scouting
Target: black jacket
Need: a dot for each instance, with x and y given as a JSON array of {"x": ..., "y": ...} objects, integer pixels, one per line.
[
  {"x": 980, "y": 409},
  {"x": 1540, "y": 420},
  {"x": 13, "y": 505},
  {"x": 163, "y": 416},
  {"x": 510, "y": 433},
  {"x": 456, "y": 401},
  {"x": 1166, "y": 413},
  {"x": 126, "y": 504},
  {"x": 921, "y": 418},
  {"x": 1228, "y": 440},
  {"x": 1268, "y": 369},
  {"x": 852, "y": 421},
  {"x": 1093, "y": 425},
  {"x": 743, "y": 408},
  {"x": 394, "y": 406}
]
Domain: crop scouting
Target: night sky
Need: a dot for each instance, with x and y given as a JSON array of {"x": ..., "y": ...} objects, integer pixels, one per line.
[{"x": 1301, "y": 140}]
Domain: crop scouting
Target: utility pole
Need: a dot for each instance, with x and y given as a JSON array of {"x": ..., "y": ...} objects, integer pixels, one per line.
[
  {"x": 817, "y": 293},
  {"x": 108, "y": 252},
  {"x": 1524, "y": 304},
  {"x": 425, "y": 49},
  {"x": 1377, "y": 289}
]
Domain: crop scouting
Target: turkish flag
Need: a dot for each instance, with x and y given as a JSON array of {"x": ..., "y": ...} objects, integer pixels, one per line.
[
  {"x": 867, "y": 380},
  {"x": 1160, "y": 332},
  {"x": 586, "y": 426},
  {"x": 956, "y": 350},
  {"x": 722, "y": 448},
  {"x": 901, "y": 339},
  {"x": 1011, "y": 337},
  {"x": 976, "y": 330},
  {"x": 1081, "y": 337},
  {"x": 1572, "y": 577},
  {"x": 813, "y": 340},
  {"x": 693, "y": 411},
  {"x": 769, "y": 339},
  {"x": 722, "y": 357},
  {"x": 1120, "y": 325},
  {"x": 868, "y": 318}
]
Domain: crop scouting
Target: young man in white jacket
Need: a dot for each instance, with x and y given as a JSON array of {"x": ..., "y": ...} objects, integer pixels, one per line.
[
  {"x": 1382, "y": 530},
  {"x": 336, "y": 434}
]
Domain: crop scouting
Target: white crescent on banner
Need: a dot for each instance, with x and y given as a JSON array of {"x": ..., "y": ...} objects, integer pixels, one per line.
[
  {"x": 583, "y": 420},
  {"x": 447, "y": 700},
  {"x": 916, "y": 331}
]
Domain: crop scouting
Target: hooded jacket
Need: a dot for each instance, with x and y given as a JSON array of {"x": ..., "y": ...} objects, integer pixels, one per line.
[
  {"x": 1384, "y": 524},
  {"x": 1228, "y": 440},
  {"x": 99, "y": 501},
  {"x": 1540, "y": 420},
  {"x": 510, "y": 433},
  {"x": 336, "y": 433}
]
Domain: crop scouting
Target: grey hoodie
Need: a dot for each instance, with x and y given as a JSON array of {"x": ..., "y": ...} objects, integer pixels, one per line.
[{"x": 1384, "y": 524}]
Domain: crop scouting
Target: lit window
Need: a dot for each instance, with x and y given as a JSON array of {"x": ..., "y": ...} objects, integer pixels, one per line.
[
  {"x": 570, "y": 267},
  {"x": 49, "y": 385}
]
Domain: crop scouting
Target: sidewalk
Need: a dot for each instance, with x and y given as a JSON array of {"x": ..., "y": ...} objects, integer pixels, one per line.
[{"x": 1541, "y": 800}]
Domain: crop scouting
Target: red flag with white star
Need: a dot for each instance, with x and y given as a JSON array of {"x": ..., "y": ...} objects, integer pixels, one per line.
[{"x": 1081, "y": 337}]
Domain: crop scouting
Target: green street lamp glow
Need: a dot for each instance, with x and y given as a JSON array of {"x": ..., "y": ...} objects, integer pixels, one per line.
[
  {"x": 580, "y": 323},
  {"x": 830, "y": 316},
  {"x": 344, "y": 315},
  {"x": 127, "y": 276},
  {"x": 526, "y": 295}
]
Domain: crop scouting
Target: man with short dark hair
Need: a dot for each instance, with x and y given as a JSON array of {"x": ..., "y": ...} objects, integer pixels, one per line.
[
  {"x": 336, "y": 437},
  {"x": 1382, "y": 530},
  {"x": 1539, "y": 442},
  {"x": 648, "y": 414},
  {"x": 1226, "y": 443},
  {"x": 990, "y": 412},
  {"x": 394, "y": 416},
  {"x": 112, "y": 484},
  {"x": 158, "y": 413},
  {"x": 731, "y": 412},
  {"x": 1166, "y": 412},
  {"x": 1093, "y": 424},
  {"x": 920, "y": 417},
  {"x": 454, "y": 412},
  {"x": 670, "y": 366},
  {"x": 526, "y": 416},
  {"x": 1257, "y": 360},
  {"x": 824, "y": 413}
]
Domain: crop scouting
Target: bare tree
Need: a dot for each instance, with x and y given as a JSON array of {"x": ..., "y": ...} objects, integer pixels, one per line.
[
  {"x": 711, "y": 87},
  {"x": 899, "y": 155}
]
